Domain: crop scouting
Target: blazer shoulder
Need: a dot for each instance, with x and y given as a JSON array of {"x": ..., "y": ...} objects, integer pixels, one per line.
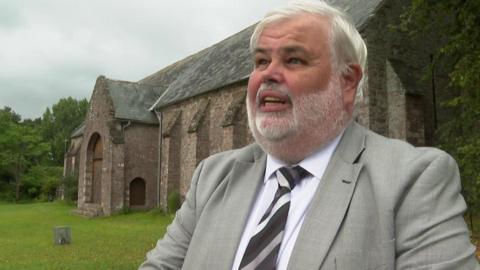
[
  {"x": 249, "y": 153},
  {"x": 400, "y": 151},
  {"x": 219, "y": 165}
]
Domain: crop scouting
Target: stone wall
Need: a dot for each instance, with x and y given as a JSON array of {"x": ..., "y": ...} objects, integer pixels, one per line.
[
  {"x": 415, "y": 129},
  {"x": 196, "y": 128},
  {"x": 397, "y": 92},
  {"x": 141, "y": 160},
  {"x": 72, "y": 157},
  {"x": 376, "y": 94},
  {"x": 71, "y": 165},
  {"x": 98, "y": 122}
]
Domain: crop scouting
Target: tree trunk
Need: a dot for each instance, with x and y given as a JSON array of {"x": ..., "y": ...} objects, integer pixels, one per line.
[{"x": 17, "y": 185}]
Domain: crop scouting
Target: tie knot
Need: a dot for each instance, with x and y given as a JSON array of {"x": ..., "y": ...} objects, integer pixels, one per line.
[{"x": 289, "y": 176}]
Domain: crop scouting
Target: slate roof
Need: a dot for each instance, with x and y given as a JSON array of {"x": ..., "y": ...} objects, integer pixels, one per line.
[
  {"x": 359, "y": 10},
  {"x": 74, "y": 148},
  {"x": 78, "y": 131},
  {"x": 219, "y": 65},
  {"x": 132, "y": 101},
  {"x": 229, "y": 61}
]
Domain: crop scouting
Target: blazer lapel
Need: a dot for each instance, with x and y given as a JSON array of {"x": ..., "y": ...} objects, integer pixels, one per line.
[
  {"x": 330, "y": 202},
  {"x": 242, "y": 188}
]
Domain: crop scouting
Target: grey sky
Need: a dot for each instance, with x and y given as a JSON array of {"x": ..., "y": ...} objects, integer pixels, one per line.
[{"x": 50, "y": 49}]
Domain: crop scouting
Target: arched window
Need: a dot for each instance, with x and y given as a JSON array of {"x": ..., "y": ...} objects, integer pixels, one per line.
[
  {"x": 203, "y": 137},
  {"x": 94, "y": 168},
  {"x": 137, "y": 192},
  {"x": 240, "y": 128},
  {"x": 174, "y": 158}
]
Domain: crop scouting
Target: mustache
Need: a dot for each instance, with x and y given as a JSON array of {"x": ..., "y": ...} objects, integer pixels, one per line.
[{"x": 275, "y": 87}]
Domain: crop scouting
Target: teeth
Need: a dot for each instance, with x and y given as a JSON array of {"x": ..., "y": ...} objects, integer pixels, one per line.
[{"x": 272, "y": 99}]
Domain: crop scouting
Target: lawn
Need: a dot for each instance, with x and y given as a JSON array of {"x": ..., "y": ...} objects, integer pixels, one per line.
[{"x": 117, "y": 242}]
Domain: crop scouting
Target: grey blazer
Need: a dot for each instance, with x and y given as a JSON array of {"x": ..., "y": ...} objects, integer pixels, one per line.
[{"x": 382, "y": 204}]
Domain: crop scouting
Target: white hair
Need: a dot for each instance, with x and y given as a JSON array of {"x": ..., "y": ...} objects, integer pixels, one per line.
[{"x": 347, "y": 45}]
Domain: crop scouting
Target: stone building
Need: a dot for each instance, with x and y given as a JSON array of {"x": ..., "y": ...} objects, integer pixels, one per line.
[
  {"x": 71, "y": 162},
  {"x": 118, "y": 158},
  {"x": 142, "y": 140}
]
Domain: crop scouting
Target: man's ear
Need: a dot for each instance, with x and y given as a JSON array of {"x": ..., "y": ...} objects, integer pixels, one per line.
[{"x": 349, "y": 84}]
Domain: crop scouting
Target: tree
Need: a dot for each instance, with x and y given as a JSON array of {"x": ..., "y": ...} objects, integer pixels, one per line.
[
  {"x": 21, "y": 147},
  {"x": 41, "y": 182},
  {"x": 7, "y": 118},
  {"x": 7, "y": 115},
  {"x": 59, "y": 122},
  {"x": 457, "y": 21},
  {"x": 32, "y": 151}
]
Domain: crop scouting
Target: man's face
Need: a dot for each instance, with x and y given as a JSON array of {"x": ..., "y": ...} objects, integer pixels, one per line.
[{"x": 293, "y": 92}]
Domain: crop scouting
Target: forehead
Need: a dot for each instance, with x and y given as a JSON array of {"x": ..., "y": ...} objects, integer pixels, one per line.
[{"x": 311, "y": 31}]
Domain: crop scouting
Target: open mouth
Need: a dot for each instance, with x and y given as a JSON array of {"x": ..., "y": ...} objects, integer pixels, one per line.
[{"x": 270, "y": 101}]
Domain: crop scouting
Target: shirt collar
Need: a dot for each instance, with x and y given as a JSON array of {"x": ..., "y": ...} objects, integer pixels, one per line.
[{"x": 315, "y": 164}]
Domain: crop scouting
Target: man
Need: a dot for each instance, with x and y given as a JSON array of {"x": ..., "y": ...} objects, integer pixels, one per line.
[{"x": 316, "y": 191}]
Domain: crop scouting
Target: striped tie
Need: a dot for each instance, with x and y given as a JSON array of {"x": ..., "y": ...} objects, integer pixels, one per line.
[{"x": 262, "y": 250}]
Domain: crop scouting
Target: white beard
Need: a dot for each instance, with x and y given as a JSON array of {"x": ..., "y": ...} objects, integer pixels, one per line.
[
  {"x": 275, "y": 126},
  {"x": 314, "y": 120}
]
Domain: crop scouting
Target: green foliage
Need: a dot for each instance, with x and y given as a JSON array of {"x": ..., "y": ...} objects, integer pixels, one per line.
[
  {"x": 7, "y": 115},
  {"x": 41, "y": 182},
  {"x": 21, "y": 147},
  {"x": 32, "y": 151},
  {"x": 173, "y": 202},
  {"x": 158, "y": 211},
  {"x": 458, "y": 21},
  {"x": 59, "y": 122},
  {"x": 116, "y": 242},
  {"x": 70, "y": 184},
  {"x": 126, "y": 210},
  {"x": 7, "y": 191}
]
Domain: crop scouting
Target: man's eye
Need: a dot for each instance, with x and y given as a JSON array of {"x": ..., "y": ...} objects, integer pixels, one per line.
[
  {"x": 261, "y": 62},
  {"x": 295, "y": 61}
]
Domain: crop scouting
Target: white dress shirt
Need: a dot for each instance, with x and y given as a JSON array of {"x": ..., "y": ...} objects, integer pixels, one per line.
[{"x": 300, "y": 199}]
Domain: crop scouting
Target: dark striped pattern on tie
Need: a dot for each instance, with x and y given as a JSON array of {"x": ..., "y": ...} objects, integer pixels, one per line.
[{"x": 262, "y": 250}]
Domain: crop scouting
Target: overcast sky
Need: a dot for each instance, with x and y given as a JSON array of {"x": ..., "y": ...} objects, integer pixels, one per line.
[{"x": 51, "y": 49}]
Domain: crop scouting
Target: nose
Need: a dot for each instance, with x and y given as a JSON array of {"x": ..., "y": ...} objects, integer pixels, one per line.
[{"x": 273, "y": 73}]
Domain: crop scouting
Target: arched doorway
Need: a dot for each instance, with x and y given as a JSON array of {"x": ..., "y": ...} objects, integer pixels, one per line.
[
  {"x": 94, "y": 166},
  {"x": 137, "y": 192}
]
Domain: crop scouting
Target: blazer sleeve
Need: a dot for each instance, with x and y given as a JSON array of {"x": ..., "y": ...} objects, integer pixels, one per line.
[
  {"x": 430, "y": 229},
  {"x": 169, "y": 253}
]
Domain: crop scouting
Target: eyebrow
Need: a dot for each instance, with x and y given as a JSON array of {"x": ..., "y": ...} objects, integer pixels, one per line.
[
  {"x": 294, "y": 49},
  {"x": 260, "y": 50},
  {"x": 284, "y": 50}
]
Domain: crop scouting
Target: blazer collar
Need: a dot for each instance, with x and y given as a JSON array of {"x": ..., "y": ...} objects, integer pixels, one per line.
[
  {"x": 352, "y": 144},
  {"x": 243, "y": 185},
  {"x": 330, "y": 202}
]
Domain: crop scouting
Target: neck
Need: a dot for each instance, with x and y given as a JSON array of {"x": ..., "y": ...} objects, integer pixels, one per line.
[{"x": 294, "y": 149}]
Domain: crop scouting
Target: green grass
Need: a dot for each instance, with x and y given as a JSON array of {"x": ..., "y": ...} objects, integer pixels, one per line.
[{"x": 117, "y": 242}]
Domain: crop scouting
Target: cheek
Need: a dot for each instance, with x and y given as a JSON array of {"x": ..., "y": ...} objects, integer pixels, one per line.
[
  {"x": 254, "y": 83},
  {"x": 309, "y": 81},
  {"x": 301, "y": 85}
]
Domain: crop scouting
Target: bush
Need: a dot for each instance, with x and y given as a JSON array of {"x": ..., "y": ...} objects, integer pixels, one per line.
[
  {"x": 7, "y": 186},
  {"x": 157, "y": 211},
  {"x": 7, "y": 192},
  {"x": 70, "y": 185},
  {"x": 125, "y": 210},
  {"x": 173, "y": 202},
  {"x": 41, "y": 182}
]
